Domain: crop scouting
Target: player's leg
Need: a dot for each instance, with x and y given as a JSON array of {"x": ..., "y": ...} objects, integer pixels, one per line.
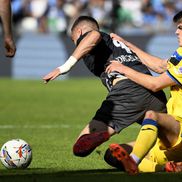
[
  {"x": 169, "y": 130},
  {"x": 93, "y": 135},
  {"x": 144, "y": 142},
  {"x": 146, "y": 137},
  {"x": 97, "y": 126},
  {"x": 148, "y": 164},
  {"x": 152, "y": 163},
  {"x": 155, "y": 125},
  {"x": 124, "y": 105},
  {"x": 166, "y": 159}
]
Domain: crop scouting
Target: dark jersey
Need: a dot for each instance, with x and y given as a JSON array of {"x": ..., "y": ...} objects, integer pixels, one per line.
[{"x": 105, "y": 51}]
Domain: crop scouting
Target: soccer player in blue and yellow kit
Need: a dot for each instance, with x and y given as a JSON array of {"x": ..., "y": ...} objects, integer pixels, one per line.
[{"x": 161, "y": 134}]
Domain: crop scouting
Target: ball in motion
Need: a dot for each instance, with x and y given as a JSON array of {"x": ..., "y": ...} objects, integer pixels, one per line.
[{"x": 16, "y": 153}]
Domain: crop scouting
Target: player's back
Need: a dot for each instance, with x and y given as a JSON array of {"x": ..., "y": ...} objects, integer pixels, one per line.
[{"x": 108, "y": 49}]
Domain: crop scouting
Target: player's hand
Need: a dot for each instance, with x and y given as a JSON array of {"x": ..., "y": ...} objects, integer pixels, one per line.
[
  {"x": 118, "y": 38},
  {"x": 115, "y": 66},
  {"x": 52, "y": 75},
  {"x": 10, "y": 47}
]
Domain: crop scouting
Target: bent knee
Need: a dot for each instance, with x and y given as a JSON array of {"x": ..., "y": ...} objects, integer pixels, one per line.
[{"x": 151, "y": 115}]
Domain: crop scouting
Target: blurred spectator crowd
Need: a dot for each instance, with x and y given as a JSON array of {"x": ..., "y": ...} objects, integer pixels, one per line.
[{"x": 113, "y": 15}]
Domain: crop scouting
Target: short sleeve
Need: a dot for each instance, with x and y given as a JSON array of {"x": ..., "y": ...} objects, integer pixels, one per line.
[{"x": 175, "y": 72}]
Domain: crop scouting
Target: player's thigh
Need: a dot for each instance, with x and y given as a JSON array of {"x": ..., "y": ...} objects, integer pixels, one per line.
[
  {"x": 96, "y": 126},
  {"x": 169, "y": 129}
]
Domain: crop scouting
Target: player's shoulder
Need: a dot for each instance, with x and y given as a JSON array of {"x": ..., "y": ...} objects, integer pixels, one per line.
[
  {"x": 106, "y": 39},
  {"x": 176, "y": 58},
  {"x": 96, "y": 35},
  {"x": 178, "y": 53},
  {"x": 104, "y": 35},
  {"x": 174, "y": 70}
]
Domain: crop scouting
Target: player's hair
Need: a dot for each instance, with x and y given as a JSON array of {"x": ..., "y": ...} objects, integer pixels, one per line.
[
  {"x": 178, "y": 17},
  {"x": 87, "y": 20}
]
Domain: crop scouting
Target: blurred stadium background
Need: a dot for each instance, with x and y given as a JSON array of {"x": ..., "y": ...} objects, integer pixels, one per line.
[{"x": 42, "y": 29}]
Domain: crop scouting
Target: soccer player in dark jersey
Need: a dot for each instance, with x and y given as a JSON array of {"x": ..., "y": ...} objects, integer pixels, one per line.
[
  {"x": 126, "y": 102},
  {"x": 5, "y": 15}
]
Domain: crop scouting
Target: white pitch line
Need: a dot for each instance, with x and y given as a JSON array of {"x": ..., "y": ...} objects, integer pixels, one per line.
[
  {"x": 39, "y": 126},
  {"x": 65, "y": 126}
]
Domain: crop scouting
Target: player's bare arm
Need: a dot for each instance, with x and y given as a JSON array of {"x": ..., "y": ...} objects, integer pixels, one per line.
[
  {"x": 5, "y": 14},
  {"x": 87, "y": 44},
  {"x": 154, "y": 63},
  {"x": 84, "y": 47},
  {"x": 152, "y": 83}
]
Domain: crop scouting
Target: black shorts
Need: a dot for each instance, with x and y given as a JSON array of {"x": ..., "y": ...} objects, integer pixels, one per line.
[{"x": 127, "y": 103}]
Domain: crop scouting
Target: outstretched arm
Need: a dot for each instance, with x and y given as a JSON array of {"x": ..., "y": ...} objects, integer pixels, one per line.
[
  {"x": 147, "y": 81},
  {"x": 154, "y": 63},
  {"x": 5, "y": 14},
  {"x": 84, "y": 47}
]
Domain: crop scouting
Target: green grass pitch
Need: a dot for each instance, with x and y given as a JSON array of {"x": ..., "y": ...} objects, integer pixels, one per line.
[{"x": 50, "y": 117}]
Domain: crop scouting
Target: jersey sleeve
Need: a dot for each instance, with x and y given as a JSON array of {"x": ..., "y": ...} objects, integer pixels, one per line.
[{"x": 175, "y": 66}]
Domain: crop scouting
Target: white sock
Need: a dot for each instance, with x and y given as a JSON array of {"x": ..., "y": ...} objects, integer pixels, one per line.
[{"x": 135, "y": 158}]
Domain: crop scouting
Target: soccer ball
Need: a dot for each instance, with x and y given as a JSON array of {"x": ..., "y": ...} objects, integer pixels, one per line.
[{"x": 16, "y": 153}]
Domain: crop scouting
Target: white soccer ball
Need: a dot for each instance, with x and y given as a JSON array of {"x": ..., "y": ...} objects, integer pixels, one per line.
[{"x": 16, "y": 153}]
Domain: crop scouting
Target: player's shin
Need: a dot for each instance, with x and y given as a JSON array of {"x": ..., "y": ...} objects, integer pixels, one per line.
[{"x": 145, "y": 140}]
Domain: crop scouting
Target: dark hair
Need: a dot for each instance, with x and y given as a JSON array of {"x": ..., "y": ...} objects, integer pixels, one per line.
[
  {"x": 177, "y": 17},
  {"x": 87, "y": 19}
]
